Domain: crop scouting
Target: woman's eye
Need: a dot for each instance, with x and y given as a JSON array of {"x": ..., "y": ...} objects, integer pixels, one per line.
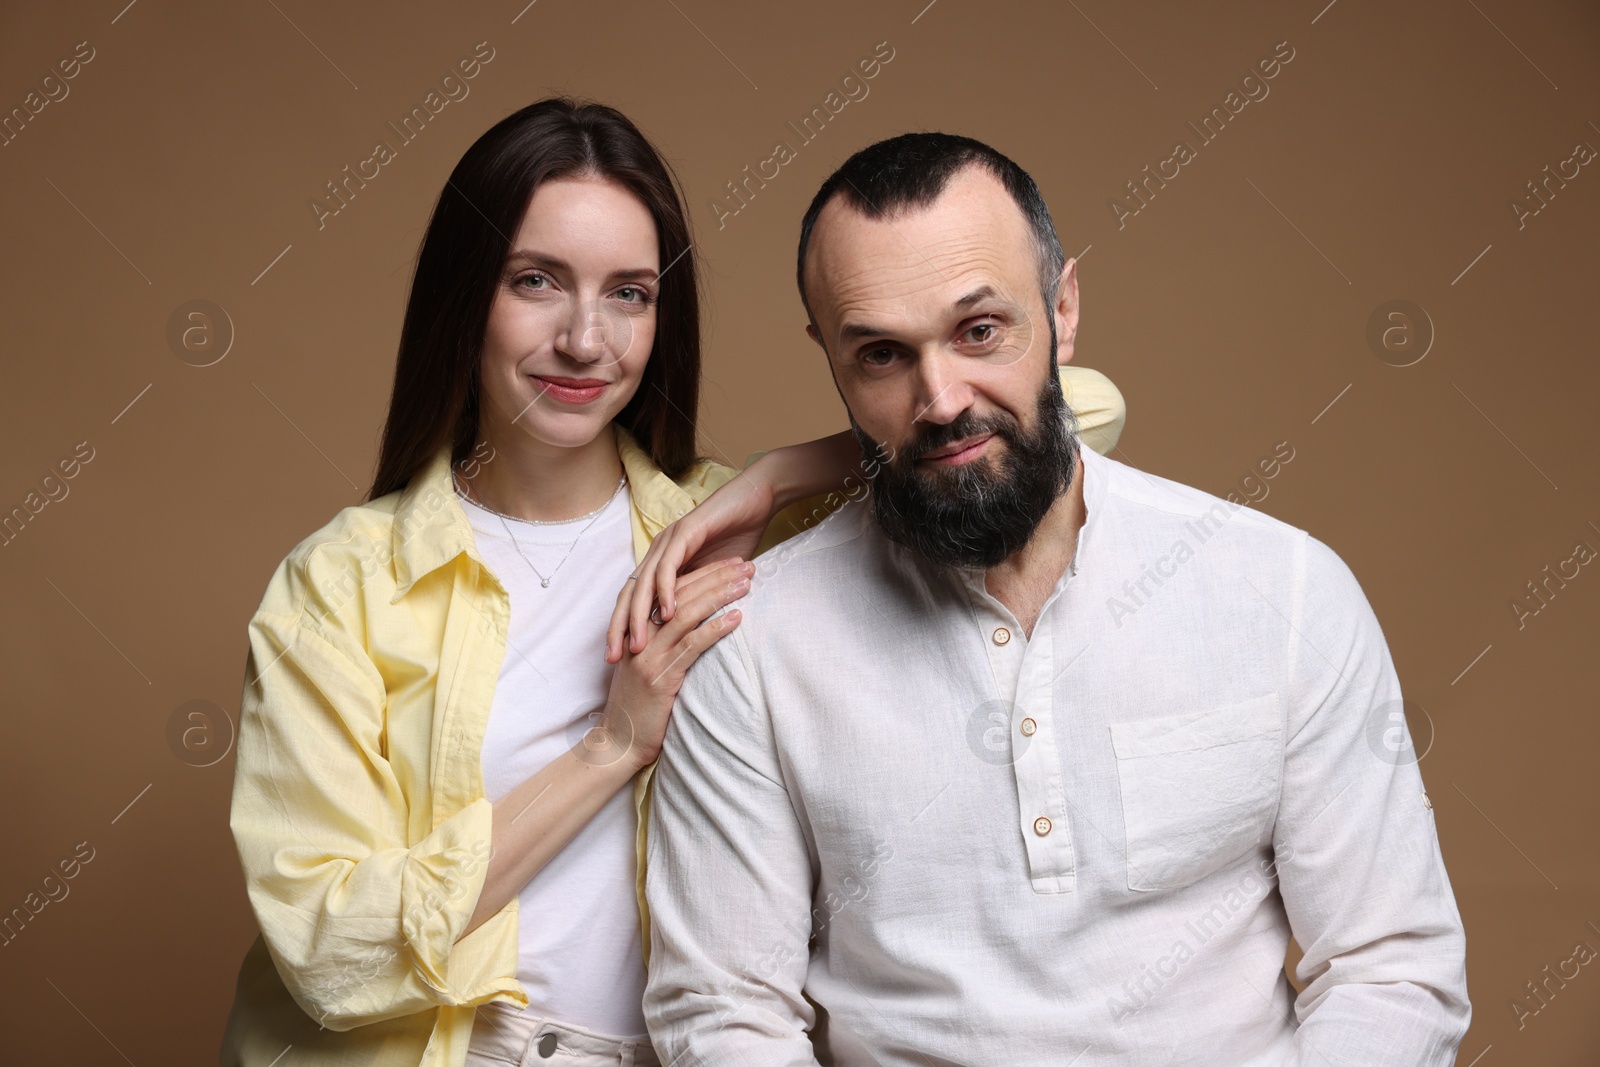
[
  {"x": 533, "y": 281},
  {"x": 633, "y": 294}
]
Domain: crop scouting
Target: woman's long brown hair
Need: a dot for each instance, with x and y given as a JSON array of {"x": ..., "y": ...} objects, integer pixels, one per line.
[{"x": 435, "y": 398}]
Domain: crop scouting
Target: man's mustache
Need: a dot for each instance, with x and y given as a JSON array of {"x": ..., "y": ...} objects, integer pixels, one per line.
[{"x": 936, "y": 436}]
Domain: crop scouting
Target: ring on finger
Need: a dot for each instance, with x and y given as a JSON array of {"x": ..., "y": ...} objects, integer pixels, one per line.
[{"x": 655, "y": 615}]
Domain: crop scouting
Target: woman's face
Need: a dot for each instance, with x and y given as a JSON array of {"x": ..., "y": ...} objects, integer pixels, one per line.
[{"x": 574, "y": 314}]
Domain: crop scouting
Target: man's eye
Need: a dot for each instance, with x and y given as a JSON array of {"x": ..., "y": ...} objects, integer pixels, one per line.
[
  {"x": 983, "y": 333},
  {"x": 877, "y": 357}
]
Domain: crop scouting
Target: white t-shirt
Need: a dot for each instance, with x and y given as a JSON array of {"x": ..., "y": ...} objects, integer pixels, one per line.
[{"x": 579, "y": 954}]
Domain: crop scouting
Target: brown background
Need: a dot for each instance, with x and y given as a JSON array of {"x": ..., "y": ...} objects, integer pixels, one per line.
[{"x": 1232, "y": 311}]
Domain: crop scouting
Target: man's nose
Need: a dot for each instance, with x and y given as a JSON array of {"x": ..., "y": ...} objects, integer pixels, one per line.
[{"x": 942, "y": 394}]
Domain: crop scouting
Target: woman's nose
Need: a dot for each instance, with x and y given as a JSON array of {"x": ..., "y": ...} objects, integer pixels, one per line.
[
  {"x": 587, "y": 334},
  {"x": 598, "y": 334}
]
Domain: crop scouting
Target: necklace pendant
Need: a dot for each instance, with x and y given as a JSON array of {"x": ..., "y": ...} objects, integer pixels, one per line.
[{"x": 544, "y": 583}]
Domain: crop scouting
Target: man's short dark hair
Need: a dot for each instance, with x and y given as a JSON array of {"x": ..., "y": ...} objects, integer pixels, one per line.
[{"x": 910, "y": 171}]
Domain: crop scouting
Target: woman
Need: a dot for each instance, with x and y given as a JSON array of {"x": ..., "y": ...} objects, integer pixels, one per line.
[{"x": 436, "y": 725}]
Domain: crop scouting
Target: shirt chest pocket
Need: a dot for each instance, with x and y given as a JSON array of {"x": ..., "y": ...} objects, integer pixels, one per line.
[{"x": 1198, "y": 789}]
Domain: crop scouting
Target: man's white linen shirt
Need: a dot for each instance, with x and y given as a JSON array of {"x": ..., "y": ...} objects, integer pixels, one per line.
[{"x": 1087, "y": 845}]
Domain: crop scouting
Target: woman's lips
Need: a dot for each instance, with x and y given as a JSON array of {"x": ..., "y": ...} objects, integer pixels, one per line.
[{"x": 572, "y": 390}]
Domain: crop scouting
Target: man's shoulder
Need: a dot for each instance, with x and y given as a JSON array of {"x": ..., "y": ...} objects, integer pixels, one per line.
[
  {"x": 1153, "y": 501},
  {"x": 1137, "y": 486},
  {"x": 804, "y": 578},
  {"x": 840, "y": 543},
  {"x": 1160, "y": 506}
]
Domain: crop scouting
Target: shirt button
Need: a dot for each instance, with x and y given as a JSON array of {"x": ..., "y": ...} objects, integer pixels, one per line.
[
  {"x": 1001, "y": 635},
  {"x": 1427, "y": 803},
  {"x": 1041, "y": 826},
  {"x": 1029, "y": 727}
]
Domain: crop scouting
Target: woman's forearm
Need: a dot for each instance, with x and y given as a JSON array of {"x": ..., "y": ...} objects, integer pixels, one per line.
[
  {"x": 798, "y": 471},
  {"x": 535, "y": 820}
]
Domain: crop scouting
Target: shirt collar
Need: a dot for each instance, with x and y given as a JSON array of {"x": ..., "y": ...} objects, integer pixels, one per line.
[
  {"x": 1095, "y": 470},
  {"x": 658, "y": 499},
  {"x": 431, "y": 528}
]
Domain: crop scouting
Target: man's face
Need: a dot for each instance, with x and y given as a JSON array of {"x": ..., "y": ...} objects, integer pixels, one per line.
[{"x": 945, "y": 353}]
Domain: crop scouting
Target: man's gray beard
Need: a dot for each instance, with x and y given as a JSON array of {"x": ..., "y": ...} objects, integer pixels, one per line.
[{"x": 973, "y": 515}]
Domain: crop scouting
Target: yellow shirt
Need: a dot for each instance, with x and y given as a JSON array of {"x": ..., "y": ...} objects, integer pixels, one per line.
[{"x": 358, "y": 805}]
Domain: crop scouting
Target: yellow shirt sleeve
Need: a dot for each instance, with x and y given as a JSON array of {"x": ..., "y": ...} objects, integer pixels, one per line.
[
  {"x": 1098, "y": 404},
  {"x": 361, "y": 925}
]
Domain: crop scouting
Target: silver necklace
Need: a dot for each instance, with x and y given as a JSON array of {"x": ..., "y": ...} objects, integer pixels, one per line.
[{"x": 593, "y": 517}]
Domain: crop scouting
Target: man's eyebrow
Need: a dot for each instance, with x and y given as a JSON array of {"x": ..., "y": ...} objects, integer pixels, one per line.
[
  {"x": 854, "y": 331},
  {"x": 981, "y": 293},
  {"x": 540, "y": 259}
]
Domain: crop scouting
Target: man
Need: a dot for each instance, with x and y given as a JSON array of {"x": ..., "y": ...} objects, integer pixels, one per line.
[{"x": 1037, "y": 758}]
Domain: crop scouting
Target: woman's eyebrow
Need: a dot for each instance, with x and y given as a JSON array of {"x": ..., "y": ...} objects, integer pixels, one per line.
[
  {"x": 528, "y": 255},
  {"x": 541, "y": 259}
]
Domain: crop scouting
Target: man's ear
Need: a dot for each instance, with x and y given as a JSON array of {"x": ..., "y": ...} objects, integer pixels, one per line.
[
  {"x": 1066, "y": 312},
  {"x": 811, "y": 332}
]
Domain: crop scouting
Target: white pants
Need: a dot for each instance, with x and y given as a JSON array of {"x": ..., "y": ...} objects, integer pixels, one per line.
[{"x": 503, "y": 1035}]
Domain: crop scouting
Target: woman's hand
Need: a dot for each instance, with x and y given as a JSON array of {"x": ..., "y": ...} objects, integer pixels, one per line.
[
  {"x": 728, "y": 523},
  {"x": 537, "y": 818},
  {"x": 645, "y": 682},
  {"x": 726, "y": 526}
]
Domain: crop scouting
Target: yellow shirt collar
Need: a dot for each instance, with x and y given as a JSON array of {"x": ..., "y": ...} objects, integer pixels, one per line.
[{"x": 431, "y": 529}]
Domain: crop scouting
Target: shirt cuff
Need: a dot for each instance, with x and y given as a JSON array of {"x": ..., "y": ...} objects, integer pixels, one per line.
[{"x": 439, "y": 889}]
